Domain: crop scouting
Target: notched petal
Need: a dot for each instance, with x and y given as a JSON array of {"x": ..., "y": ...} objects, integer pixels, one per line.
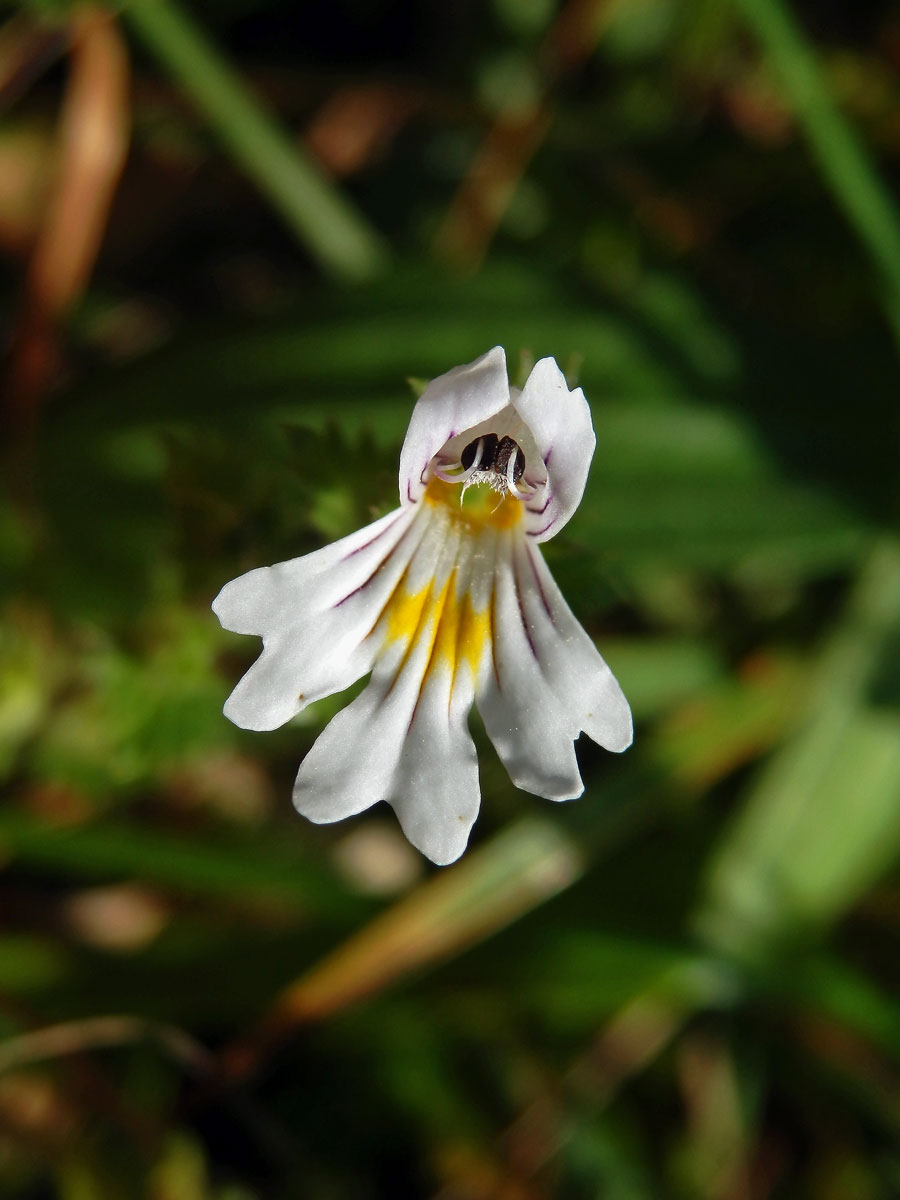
[
  {"x": 460, "y": 400},
  {"x": 572, "y": 667},
  {"x": 405, "y": 740},
  {"x": 560, "y": 423},
  {"x": 547, "y": 681},
  {"x": 531, "y": 730},
  {"x": 315, "y": 615}
]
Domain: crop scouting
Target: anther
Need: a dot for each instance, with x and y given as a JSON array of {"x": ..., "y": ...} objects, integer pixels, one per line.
[
  {"x": 482, "y": 450},
  {"x": 498, "y": 462}
]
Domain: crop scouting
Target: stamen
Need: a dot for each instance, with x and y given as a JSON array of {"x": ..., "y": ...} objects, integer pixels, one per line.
[
  {"x": 497, "y": 462},
  {"x": 443, "y": 472},
  {"x": 469, "y": 468},
  {"x": 520, "y": 492}
]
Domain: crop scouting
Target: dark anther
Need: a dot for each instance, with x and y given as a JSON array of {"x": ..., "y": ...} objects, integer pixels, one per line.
[
  {"x": 488, "y": 445},
  {"x": 504, "y": 452},
  {"x": 492, "y": 454}
]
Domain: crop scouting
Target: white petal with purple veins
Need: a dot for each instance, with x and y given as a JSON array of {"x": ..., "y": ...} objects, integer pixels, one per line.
[
  {"x": 446, "y": 601},
  {"x": 560, "y": 422},
  {"x": 464, "y": 398}
]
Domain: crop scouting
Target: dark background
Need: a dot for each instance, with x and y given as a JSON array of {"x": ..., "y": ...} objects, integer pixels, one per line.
[{"x": 230, "y": 235}]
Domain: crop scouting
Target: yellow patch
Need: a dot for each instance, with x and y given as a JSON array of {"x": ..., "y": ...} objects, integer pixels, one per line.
[
  {"x": 404, "y": 612},
  {"x": 478, "y": 509},
  {"x": 449, "y": 625}
]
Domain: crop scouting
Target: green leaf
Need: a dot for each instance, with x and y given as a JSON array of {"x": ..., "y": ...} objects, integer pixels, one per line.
[
  {"x": 822, "y": 822},
  {"x": 841, "y": 154}
]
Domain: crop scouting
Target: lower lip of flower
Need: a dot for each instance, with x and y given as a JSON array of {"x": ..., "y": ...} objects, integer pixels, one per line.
[
  {"x": 444, "y": 621},
  {"x": 449, "y": 616}
]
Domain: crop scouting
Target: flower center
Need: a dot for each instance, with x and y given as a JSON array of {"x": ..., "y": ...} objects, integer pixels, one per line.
[
  {"x": 498, "y": 462},
  {"x": 474, "y": 507},
  {"x": 500, "y": 459}
]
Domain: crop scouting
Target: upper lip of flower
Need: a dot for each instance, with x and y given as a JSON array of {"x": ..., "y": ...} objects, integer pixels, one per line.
[
  {"x": 550, "y": 424},
  {"x": 497, "y": 461},
  {"x": 445, "y": 604}
]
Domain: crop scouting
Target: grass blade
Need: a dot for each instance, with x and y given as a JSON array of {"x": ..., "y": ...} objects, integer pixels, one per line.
[
  {"x": 331, "y": 229},
  {"x": 822, "y": 823},
  {"x": 841, "y": 156}
]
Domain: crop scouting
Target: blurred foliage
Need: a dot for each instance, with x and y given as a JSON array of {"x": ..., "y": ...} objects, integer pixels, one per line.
[{"x": 683, "y": 985}]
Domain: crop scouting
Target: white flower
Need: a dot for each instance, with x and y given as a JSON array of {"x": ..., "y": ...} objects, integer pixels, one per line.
[{"x": 446, "y": 601}]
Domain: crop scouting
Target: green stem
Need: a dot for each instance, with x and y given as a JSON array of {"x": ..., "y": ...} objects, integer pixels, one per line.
[
  {"x": 331, "y": 229},
  {"x": 842, "y": 158}
]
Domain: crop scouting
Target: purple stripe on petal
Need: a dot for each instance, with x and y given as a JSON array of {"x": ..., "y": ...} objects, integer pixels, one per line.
[
  {"x": 518, "y": 583},
  {"x": 493, "y": 636},
  {"x": 535, "y": 533},
  {"x": 537, "y": 579},
  {"x": 540, "y": 511},
  {"x": 387, "y": 558},
  {"x": 372, "y": 540}
]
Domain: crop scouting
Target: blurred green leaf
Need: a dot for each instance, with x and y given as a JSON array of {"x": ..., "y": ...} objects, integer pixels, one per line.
[
  {"x": 29, "y": 964},
  {"x": 228, "y": 867},
  {"x": 324, "y": 221},
  {"x": 840, "y": 152},
  {"x": 822, "y": 822},
  {"x": 657, "y": 673}
]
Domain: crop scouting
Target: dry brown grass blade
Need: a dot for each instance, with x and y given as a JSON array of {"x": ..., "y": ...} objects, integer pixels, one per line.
[
  {"x": 93, "y": 140},
  {"x": 503, "y": 157},
  {"x": 95, "y": 1033},
  {"x": 492, "y": 887},
  {"x": 358, "y": 122}
]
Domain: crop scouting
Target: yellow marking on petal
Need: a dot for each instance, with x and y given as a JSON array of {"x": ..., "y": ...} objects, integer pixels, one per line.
[
  {"x": 443, "y": 648},
  {"x": 447, "y": 623},
  {"x": 479, "y": 507},
  {"x": 474, "y": 634},
  {"x": 404, "y": 612}
]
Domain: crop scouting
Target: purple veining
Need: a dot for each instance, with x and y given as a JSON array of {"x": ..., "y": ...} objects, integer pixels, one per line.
[
  {"x": 540, "y": 511},
  {"x": 372, "y": 540},
  {"x": 525, "y": 624},
  {"x": 387, "y": 558},
  {"x": 536, "y": 533},
  {"x": 493, "y": 637},
  {"x": 540, "y": 587}
]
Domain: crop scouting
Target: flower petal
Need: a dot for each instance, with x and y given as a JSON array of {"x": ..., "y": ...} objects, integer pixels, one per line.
[
  {"x": 266, "y": 598},
  {"x": 435, "y": 791},
  {"x": 450, "y": 404},
  {"x": 352, "y": 761},
  {"x": 442, "y": 602},
  {"x": 405, "y": 739},
  {"x": 560, "y": 422},
  {"x": 532, "y": 731},
  {"x": 315, "y": 614},
  {"x": 572, "y": 666}
]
